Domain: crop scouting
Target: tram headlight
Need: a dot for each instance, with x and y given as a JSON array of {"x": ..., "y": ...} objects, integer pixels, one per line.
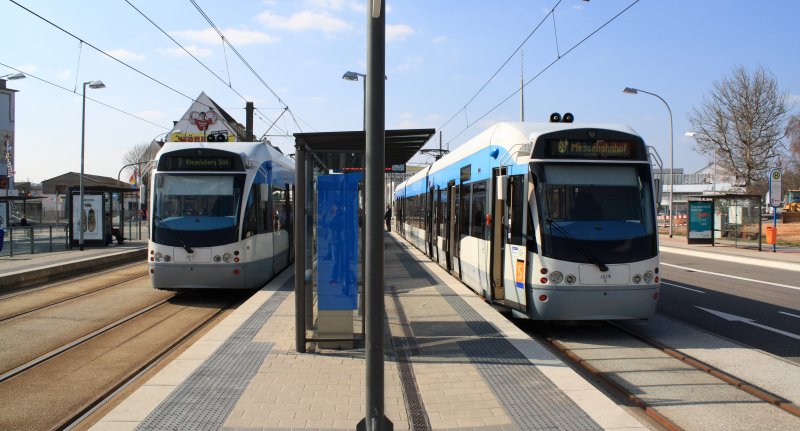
[
  {"x": 648, "y": 277},
  {"x": 637, "y": 279},
  {"x": 227, "y": 257},
  {"x": 158, "y": 256},
  {"x": 167, "y": 258},
  {"x": 570, "y": 279},
  {"x": 556, "y": 277},
  {"x": 217, "y": 258}
]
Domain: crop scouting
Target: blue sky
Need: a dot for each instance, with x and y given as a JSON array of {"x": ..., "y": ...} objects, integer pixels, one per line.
[{"x": 439, "y": 53}]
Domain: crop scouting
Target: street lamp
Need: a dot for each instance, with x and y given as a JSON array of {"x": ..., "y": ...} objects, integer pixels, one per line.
[
  {"x": 13, "y": 76},
  {"x": 631, "y": 90},
  {"x": 697, "y": 136},
  {"x": 95, "y": 85},
  {"x": 353, "y": 76}
]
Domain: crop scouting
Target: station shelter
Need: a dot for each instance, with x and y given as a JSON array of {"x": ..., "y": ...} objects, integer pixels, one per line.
[
  {"x": 733, "y": 218},
  {"x": 102, "y": 216},
  {"x": 329, "y": 229}
]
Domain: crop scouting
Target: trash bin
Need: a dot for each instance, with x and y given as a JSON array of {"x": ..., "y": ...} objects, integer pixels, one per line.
[{"x": 772, "y": 234}]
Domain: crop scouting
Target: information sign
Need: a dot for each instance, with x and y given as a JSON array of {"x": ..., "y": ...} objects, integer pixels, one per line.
[{"x": 775, "y": 188}]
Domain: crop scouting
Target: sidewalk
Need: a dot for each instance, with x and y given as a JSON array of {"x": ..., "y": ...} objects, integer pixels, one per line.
[
  {"x": 727, "y": 250},
  {"x": 26, "y": 269}
]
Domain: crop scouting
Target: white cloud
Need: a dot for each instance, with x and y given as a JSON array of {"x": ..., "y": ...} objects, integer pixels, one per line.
[
  {"x": 395, "y": 32},
  {"x": 235, "y": 36},
  {"x": 794, "y": 99},
  {"x": 124, "y": 54},
  {"x": 355, "y": 6},
  {"x": 64, "y": 74},
  {"x": 302, "y": 21},
  {"x": 438, "y": 40},
  {"x": 194, "y": 49}
]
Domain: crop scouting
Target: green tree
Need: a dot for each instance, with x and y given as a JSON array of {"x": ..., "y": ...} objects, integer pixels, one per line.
[{"x": 743, "y": 120}]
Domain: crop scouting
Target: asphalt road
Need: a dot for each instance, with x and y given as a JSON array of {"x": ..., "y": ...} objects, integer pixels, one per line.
[{"x": 753, "y": 305}]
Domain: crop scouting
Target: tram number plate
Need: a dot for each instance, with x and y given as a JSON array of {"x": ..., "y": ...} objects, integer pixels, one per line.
[{"x": 616, "y": 274}]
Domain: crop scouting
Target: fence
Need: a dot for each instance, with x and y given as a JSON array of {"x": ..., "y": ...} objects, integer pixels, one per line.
[
  {"x": 48, "y": 238},
  {"x": 35, "y": 239}
]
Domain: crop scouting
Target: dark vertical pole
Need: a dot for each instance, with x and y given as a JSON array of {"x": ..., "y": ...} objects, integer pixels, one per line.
[
  {"x": 300, "y": 250},
  {"x": 374, "y": 186},
  {"x": 248, "y": 121},
  {"x": 308, "y": 246}
]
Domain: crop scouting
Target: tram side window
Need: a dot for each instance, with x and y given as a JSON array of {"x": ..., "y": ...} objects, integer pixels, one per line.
[
  {"x": 479, "y": 210},
  {"x": 279, "y": 211},
  {"x": 517, "y": 210},
  {"x": 264, "y": 217},
  {"x": 251, "y": 213},
  {"x": 463, "y": 217},
  {"x": 444, "y": 208}
]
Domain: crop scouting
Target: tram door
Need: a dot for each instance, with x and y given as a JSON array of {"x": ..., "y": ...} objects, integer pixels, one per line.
[
  {"x": 514, "y": 250},
  {"x": 499, "y": 228},
  {"x": 452, "y": 227},
  {"x": 429, "y": 234}
]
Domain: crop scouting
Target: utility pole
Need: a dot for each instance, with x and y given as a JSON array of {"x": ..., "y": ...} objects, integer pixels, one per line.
[
  {"x": 375, "y": 178},
  {"x": 521, "y": 86}
]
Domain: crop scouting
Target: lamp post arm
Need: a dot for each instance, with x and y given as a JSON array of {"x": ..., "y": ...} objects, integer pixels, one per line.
[{"x": 129, "y": 165}]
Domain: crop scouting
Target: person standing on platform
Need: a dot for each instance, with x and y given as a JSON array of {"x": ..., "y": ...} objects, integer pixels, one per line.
[{"x": 388, "y": 217}]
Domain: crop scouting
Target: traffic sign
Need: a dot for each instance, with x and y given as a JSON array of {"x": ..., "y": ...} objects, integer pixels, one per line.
[{"x": 775, "y": 188}]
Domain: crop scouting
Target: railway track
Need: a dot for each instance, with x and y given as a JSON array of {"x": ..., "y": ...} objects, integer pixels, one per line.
[
  {"x": 675, "y": 390},
  {"x": 31, "y": 300},
  {"x": 94, "y": 344}
]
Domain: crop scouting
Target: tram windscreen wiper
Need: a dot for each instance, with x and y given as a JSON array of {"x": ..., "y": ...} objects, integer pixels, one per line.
[
  {"x": 571, "y": 241},
  {"x": 173, "y": 232}
]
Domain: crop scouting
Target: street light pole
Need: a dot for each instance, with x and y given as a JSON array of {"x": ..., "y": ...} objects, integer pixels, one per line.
[
  {"x": 631, "y": 90},
  {"x": 353, "y": 76},
  {"x": 97, "y": 85}
]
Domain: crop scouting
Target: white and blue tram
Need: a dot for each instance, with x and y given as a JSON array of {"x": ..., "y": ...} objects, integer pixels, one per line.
[
  {"x": 555, "y": 221},
  {"x": 220, "y": 215}
]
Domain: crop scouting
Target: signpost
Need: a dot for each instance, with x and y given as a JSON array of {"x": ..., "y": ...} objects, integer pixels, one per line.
[{"x": 775, "y": 200}]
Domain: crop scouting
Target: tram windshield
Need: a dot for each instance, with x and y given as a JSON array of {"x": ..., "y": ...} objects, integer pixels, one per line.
[
  {"x": 594, "y": 213},
  {"x": 196, "y": 210}
]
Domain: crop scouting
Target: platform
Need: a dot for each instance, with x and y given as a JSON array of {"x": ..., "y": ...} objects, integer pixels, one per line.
[{"x": 452, "y": 362}]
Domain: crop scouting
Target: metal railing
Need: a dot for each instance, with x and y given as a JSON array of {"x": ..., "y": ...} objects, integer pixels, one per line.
[{"x": 35, "y": 239}]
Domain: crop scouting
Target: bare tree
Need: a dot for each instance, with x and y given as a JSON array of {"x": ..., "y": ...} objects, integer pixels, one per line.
[
  {"x": 742, "y": 121},
  {"x": 138, "y": 155},
  {"x": 791, "y": 164}
]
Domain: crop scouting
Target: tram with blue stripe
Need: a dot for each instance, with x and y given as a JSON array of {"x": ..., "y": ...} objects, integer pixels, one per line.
[
  {"x": 220, "y": 215},
  {"x": 554, "y": 221}
]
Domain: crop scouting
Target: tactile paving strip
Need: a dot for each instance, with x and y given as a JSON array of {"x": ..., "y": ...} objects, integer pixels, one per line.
[
  {"x": 207, "y": 397},
  {"x": 531, "y": 399}
]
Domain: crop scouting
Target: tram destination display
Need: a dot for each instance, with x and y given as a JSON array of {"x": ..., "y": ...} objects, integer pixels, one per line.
[{"x": 590, "y": 149}]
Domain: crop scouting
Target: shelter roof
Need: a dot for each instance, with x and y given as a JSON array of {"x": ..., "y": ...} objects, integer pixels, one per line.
[{"x": 400, "y": 146}]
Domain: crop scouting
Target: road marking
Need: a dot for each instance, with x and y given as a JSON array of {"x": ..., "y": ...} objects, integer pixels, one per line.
[
  {"x": 789, "y": 314},
  {"x": 735, "y": 318},
  {"x": 732, "y": 276},
  {"x": 731, "y": 258},
  {"x": 682, "y": 287}
]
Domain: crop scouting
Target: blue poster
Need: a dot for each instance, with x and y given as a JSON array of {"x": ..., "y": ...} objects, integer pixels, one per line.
[
  {"x": 337, "y": 241},
  {"x": 701, "y": 220}
]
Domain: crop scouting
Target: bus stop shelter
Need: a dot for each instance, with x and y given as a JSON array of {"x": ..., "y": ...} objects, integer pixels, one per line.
[
  {"x": 102, "y": 216},
  {"x": 736, "y": 219},
  {"x": 329, "y": 230}
]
